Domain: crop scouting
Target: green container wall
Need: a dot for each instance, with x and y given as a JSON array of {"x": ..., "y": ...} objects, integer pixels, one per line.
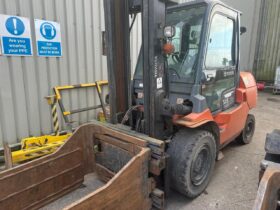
[{"x": 267, "y": 56}]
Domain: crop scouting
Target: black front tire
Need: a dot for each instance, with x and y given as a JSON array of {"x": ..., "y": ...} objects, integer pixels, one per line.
[
  {"x": 247, "y": 134},
  {"x": 192, "y": 160}
]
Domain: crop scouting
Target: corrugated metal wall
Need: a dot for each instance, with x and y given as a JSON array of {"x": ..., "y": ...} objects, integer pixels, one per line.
[
  {"x": 25, "y": 81},
  {"x": 267, "y": 56}
]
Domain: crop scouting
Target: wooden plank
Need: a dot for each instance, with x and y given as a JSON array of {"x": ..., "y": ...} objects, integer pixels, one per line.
[
  {"x": 104, "y": 174},
  {"x": 109, "y": 129},
  {"x": 116, "y": 142},
  {"x": 129, "y": 189},
  {"x": 8, "y": 156},
  {"x": 151, "y": 141},
  {"x": 126, "y": 131},
  {"x": 125, "y": 137},
  {"x": 38, "y": 182}
]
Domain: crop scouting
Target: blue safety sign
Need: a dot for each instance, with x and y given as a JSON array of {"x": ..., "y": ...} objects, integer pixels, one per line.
[
  {"x": 15, "y": 26},
  {"x": 48, "y": 38},
  {"x": 15, "y": 36}
]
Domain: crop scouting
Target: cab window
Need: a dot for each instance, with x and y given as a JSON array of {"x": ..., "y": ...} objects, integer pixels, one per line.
[
  {"x": 220, "y": 52},
  {"x": 220, "y": 65}
]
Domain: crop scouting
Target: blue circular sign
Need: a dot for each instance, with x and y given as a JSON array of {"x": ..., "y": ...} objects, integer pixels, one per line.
[
  {"x": 48, "y": 31},
  {"x": 15, "y": 26}
]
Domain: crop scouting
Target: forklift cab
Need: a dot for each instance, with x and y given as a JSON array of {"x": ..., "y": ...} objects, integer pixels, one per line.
[{"x": 203, "y": 70}]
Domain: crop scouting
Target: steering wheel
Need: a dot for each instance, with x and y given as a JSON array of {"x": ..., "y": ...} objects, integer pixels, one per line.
[
  {"x": 174, "y": 70},
  {"x": 175, "y": 57},
  {"x": 185, "y": 63}
]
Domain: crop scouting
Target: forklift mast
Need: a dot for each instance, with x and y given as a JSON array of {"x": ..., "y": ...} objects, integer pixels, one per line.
[
  {"x": 118, "y": 56},
  {"x": 153, "y": 20}
]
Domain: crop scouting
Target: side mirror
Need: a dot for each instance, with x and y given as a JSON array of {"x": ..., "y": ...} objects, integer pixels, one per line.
[
  {"x": 169, "y": 31},
  {"x": 243, "y": 30}
]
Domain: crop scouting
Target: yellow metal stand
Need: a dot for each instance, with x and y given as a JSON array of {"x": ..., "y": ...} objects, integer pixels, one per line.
[
  {"x": 36, "y": 147},
  {"x": 52, "y": 101}
]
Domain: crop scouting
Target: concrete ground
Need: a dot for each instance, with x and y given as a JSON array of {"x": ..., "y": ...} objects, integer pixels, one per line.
[{"x": 235, "y": 180}]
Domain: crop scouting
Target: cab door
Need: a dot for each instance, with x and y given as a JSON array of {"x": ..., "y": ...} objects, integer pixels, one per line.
[{"x": 221, "y": 60}]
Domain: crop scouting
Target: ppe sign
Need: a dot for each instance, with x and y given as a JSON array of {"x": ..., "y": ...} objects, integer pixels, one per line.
[
  {"x": 48, "y": 38},
  {"x": 15, "y": 36}
]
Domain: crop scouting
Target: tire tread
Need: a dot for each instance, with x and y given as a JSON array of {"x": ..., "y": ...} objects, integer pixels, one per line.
[{"x": 181, "y": 150}]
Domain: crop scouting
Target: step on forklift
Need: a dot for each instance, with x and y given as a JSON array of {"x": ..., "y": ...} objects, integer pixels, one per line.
[
  {"x": 186, "y": 100},
  {"x": 187, "y": 89}
]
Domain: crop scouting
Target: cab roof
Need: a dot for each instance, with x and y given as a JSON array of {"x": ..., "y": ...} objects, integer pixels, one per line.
[{"x": 209, "y": 3}]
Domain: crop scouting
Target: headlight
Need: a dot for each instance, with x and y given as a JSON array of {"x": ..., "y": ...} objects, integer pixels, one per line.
[{"x": 169, "y": 31}]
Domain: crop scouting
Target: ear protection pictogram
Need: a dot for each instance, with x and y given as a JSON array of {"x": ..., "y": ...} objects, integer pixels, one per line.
[{"x": 45, "y": 27}]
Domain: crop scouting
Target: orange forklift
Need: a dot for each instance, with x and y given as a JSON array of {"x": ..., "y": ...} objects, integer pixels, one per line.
[
  {"x": 187, "y": 89},
  {"x": 186, "y": 100}
]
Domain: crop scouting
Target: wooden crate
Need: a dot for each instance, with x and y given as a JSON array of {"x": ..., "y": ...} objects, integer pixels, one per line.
[{"x": 120, "y": 160}]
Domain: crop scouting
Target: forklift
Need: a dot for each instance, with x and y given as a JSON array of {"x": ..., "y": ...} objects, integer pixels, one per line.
[
  {"x": 187, "y": 89},
  {"x": 186, "y": 100}
]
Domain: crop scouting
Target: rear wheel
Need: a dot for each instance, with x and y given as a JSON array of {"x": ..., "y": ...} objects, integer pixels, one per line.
[
  {"x": 192, "y": 159},
  {"x": 248, "y": 132}
]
